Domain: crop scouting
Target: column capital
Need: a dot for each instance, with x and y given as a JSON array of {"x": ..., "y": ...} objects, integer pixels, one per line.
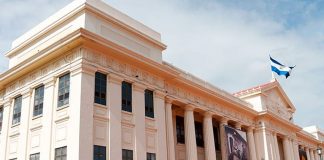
[
  {"x": 274, "y": 133},
  {"x": 7, "y": 102},
  {"x": 139, "y": 87},
  {"x": 159, "y": 94},
  {"x": 168, "y": 99},
  {"x": 113, "y": 78},
  {"x": 50, "y": 82},
  {"x": 189, "y": 107},
  {"x": 27, "y": 92},
  {"x": 224, "y": 120},
  {"x": 208, "y": 114},
  {"x": 250, "y": 128}
]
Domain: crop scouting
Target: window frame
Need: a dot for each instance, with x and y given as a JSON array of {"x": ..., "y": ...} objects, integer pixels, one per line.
[
  {"x": 16, "y": 113},
  {"x": 61, "y": 155},
  {"x": 149, "y": 103},
  {"x": 199, "y": 134},
  {"x": 101, "y": 151},
  {"x": 180, "y": 130},
  {"x": 35, "y": 156},
  {"x": 63, "y": 90},
  {"x": 100, "y": 88},
  {"x": 216, "y": 138},
  {"x": 127, "y": 97},
  {"x": 127, "y": 154},
  {"x": 38, "y": 107},
  {"x": 150, "y": 156}
]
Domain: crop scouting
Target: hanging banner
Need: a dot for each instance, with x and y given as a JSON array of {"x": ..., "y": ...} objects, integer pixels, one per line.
[
  {"x": 302, "y": 154},
  {"x": 237, "y": 146}
]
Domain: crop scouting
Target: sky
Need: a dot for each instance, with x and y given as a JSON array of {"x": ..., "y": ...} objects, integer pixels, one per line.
[{"x": 225, "y": 42}]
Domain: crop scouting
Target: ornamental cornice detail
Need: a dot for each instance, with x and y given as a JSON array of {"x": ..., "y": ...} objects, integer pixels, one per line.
[
  {"x": 207, "y": 104},
  {"x": 116, "y": 66},
  {"x": 42, "y": 72}
]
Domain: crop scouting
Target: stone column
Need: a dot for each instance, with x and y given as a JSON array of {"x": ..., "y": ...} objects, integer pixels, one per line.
[
  {"x": 292, "y": 154},
  {"x": 223, "y": 122},
  {"x": 311, "y": 154},
  {"x": 160, "y": 122},
  {"x": 24, "y": 124},
  {"x": 286, "y": 148},
  {"x": 80, "y": 126},
  {"x": 6, "y": 121},
  {"x": 139, "y": 117},
  {"x": 169, "y": 129},
  {"x": 272, "y": 145},
  {"x": 210, "y": 151},
  {"x": 114, "y": 102},
  {"x": 296, "y": 152},
  {"x": 307, "y": 153},
  {"x": 250, "y": 139},
  {"x": 189, "y": 122},
  {"x": 48, "y": 109},
  {"x": 276, "y": 146}
]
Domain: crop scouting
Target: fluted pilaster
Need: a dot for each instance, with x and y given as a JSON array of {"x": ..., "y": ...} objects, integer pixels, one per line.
[{"x": 169, "y": 127}]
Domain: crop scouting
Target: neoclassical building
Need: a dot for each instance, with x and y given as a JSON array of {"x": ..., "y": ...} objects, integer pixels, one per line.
[{"x": 89, "y": 82}]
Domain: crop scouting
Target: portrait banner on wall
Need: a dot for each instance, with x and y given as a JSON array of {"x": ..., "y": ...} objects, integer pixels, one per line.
[
  {"x": 237, "y": 146},
  {"x": 302, "y": 154}
]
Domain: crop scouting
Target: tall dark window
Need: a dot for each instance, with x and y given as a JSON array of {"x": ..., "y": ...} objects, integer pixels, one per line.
[
  {"x": 64, "y": 90},
  {"x": 99, "y": 152},
  {"x": 17, "y": 110},
  {"x": 38, "y": 101},
  {"x": 1, "y": 117},
  {"x": 180, "y": 129},
  {"x": 34, "y": 156},
  {"x": 127, "y": 97},
  {"x": 100, "y": 88},
  {"x": 149, "y": 104},
  {"x": 150, "y": 156},
  {"x": 127, "y": 154},
  {"x": 199, "y": 134},
  {"x": 60, "y": 153},
  {"x": 216, "y": 138}
]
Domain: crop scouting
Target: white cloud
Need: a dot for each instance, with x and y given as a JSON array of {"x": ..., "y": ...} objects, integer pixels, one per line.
[{"x": 224, "y": 43}]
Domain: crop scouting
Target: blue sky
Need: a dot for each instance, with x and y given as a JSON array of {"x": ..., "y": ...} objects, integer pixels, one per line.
[{"x": 224, "y": 42}]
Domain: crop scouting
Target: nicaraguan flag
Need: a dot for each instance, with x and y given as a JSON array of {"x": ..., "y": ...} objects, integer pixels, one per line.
[{"x": 280, "y": 69}]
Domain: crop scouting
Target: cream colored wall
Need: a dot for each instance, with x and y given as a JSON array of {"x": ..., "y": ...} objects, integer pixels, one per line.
[
  {"x": 256, "y": 102},
  {"x": 117, "y": 35},
  {"x": 55, "y": 128}
]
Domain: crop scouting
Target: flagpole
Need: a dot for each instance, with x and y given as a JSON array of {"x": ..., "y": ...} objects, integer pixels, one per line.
[{"x": 273, "y": 77}]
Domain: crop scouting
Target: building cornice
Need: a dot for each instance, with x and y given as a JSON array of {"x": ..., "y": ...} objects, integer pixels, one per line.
[
  {"x": 274, "y": 117},
  {"x": 306, "y": 136},
  {"x": 68, "y": 42}
]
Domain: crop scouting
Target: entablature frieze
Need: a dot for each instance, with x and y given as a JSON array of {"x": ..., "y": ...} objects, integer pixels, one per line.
[
  {"x": 42, "y": 74},
  {"x": 128, "y": 71}
]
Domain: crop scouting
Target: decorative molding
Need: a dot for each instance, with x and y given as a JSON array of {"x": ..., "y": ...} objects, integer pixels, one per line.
[
  {"x": 118, "y": 67},
  {"x": 57, "y": 64}
]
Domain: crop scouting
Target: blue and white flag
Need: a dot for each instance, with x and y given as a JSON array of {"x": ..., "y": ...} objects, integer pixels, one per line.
[{"x": 280, "y": 69}]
